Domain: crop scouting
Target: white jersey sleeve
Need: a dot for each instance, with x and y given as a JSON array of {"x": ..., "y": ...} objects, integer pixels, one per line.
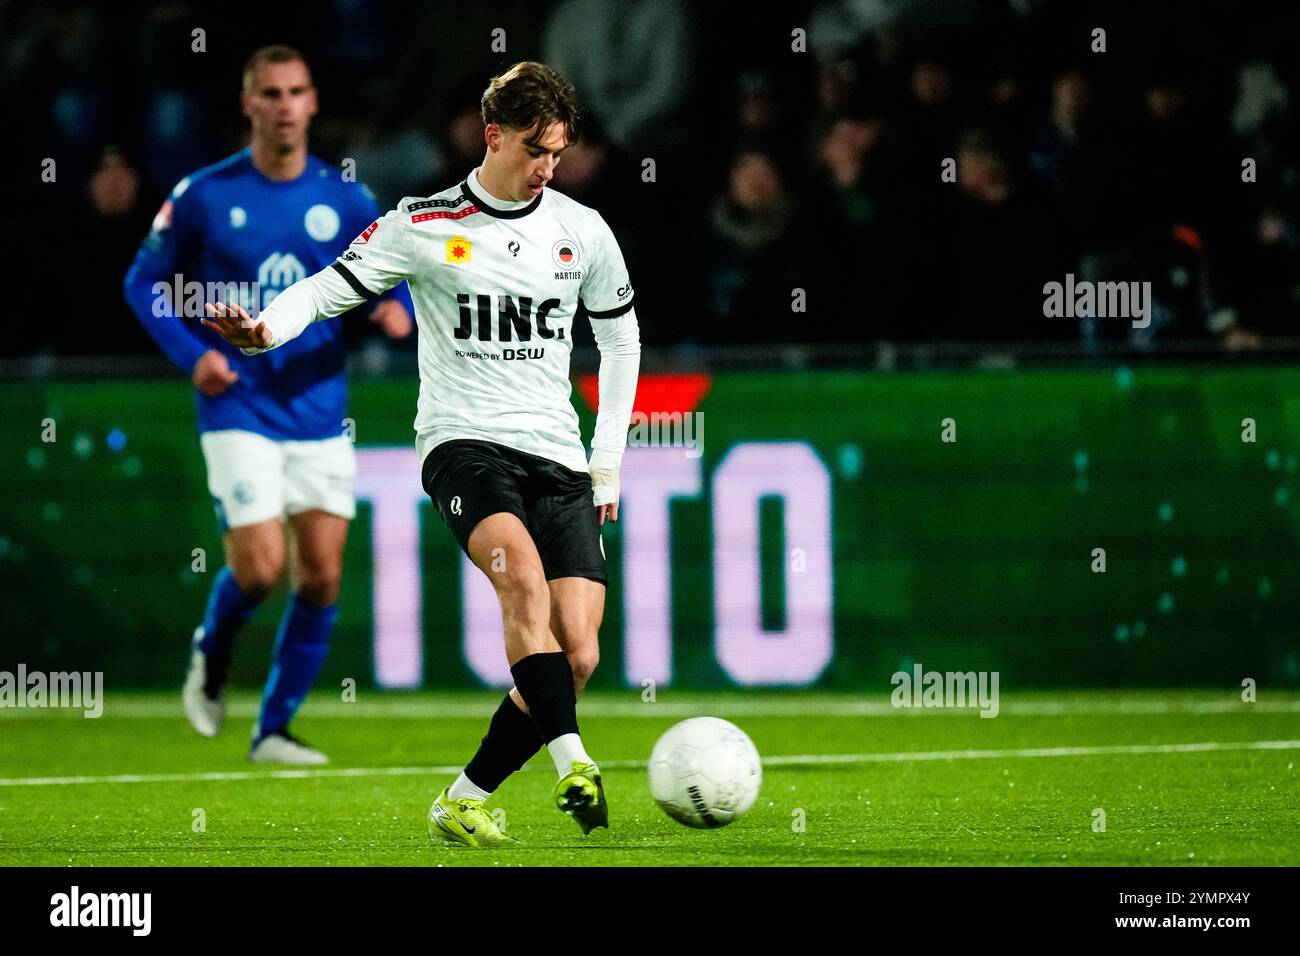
[
  {"x": 380, "y": 257},
  {"x": 376, "y": 261},
  {"x": 606, "y": 291},
  {"x": 606, "y": 294},
  {"x": 619, "y": 341}
]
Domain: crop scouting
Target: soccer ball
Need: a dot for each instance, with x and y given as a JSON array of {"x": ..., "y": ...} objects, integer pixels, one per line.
[{"x": 705, "y": 772}]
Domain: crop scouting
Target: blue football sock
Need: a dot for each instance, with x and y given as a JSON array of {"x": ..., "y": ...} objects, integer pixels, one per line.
[
  {"x": 300, "y": 647},
  {"x": 228, "y": 610}
]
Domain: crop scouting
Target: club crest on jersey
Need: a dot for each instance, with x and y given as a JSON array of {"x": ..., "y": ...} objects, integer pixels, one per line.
[
  {"x": 365, "y": 236},
  {"x": 566, "y": 255},
  {"x": 458, "y": 250},
  {"x": 321, "y": 222}
]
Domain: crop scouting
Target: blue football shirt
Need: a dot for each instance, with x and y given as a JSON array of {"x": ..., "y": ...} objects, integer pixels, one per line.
[{"x": 229, "y": 224}]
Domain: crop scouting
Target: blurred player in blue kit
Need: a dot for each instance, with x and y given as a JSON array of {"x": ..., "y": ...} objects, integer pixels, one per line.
[{"x": 272, "y": 430}]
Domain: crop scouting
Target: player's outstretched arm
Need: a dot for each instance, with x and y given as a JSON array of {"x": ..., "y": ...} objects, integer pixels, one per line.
[
  {"x": 340, "y": 287},
  {"x": 320, "y": 296}
]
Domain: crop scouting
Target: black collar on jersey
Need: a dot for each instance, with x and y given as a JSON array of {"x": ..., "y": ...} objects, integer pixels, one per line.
[{"x": 499, "y": 213}]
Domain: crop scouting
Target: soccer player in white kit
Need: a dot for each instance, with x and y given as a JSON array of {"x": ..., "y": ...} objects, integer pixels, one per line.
[{"x": 499, "y": 268}]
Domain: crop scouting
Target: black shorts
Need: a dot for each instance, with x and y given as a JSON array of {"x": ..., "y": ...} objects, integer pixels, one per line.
[{"x": 469, "y": 480}]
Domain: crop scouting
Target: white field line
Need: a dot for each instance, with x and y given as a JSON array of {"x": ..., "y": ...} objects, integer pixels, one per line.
[
  {"x": 397, "y": 709},
  {"x": 793, "y": 760}
]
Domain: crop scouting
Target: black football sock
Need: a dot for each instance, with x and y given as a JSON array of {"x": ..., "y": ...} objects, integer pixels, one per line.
[
  {"x": 512, "y": 739},
  {"x": 545, "y": 682}
]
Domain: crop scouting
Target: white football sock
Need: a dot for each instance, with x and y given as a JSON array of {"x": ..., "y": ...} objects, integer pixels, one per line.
[
  {"x": 465, "y": 787},
  {"x": 565, "y": 749}
]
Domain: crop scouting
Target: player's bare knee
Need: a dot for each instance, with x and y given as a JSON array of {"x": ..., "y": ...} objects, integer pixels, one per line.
[
  {"x": 256, "y": 575},
  {"x": 583, "y": 664}
]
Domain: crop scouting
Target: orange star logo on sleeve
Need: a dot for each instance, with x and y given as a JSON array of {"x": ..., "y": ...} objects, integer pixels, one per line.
[{"x": 458, "y": 250}]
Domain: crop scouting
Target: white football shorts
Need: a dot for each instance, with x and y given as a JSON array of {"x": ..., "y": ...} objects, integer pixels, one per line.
[{"x": 253, "y": 478}]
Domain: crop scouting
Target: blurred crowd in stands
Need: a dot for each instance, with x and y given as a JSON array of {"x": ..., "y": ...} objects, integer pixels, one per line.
[{"x": 775, "y": 168}]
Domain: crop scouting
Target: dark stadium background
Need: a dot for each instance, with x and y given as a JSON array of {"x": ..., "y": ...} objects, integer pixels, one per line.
[{"x": 775, "y": 171}]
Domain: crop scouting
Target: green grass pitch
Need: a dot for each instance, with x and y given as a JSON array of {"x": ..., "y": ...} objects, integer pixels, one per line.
[{"x": 1182, "y": 778}]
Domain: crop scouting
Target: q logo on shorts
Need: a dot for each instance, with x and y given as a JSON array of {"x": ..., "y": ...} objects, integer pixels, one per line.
[{"x": 455, "y": 505}]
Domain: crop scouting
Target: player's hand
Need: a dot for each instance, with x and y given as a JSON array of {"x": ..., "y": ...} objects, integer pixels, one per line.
[
  {"x": 213, "y": 374},
  {"x": 391, "y": 316},
  {"x": 237, "y": 327},
  {"x": 603, "y": 468}
]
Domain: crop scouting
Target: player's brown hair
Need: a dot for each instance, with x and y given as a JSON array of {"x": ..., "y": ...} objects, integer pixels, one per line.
[
  {"x": 531, "y": 96},
  {"x": 275, "y": 53}
]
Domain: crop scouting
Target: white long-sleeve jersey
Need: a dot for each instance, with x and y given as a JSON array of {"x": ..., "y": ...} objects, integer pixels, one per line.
[{"x": 496, "y": 287}]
